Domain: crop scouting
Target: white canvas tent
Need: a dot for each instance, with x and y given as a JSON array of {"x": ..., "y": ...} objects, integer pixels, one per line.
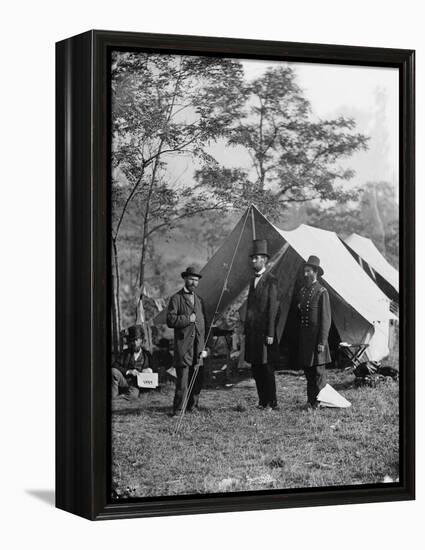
[
  {"x": 360, "y": 311},
  {"x": 374, "y": 263},
  {"x": 366, "y": 249}
]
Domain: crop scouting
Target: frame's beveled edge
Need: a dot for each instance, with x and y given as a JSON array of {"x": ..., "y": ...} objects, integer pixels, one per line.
[
  {"x": 407, "y": 275},
  {"x": 95, "y": 490},
  {"x": 73, "y": 267},
  {"x": 261, "y": 49},
  {"x": 252, "y": 502}
]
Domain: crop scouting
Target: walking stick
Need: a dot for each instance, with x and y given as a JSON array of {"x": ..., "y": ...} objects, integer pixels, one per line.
[
  {"x": 216, "y": 312},
  {"x": 186, "y": 398}
]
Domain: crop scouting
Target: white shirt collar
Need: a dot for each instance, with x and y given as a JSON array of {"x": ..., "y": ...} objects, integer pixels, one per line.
[
  {"x": 136, "y": 354},
  {"x": 258, "y": 276}
]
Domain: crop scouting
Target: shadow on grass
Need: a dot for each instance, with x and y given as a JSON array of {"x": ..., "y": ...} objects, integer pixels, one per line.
[
  {"x": 295, "y": 373},
  {"x": 164, "y": 409},
  {"x": 230, "y": 385},
  {"x": 345, "y": 385}
]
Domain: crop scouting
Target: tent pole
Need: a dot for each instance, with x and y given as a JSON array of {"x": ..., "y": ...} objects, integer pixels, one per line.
[
  {"x": 253, "y": 224},
  {"x": 195, "y": 372}
]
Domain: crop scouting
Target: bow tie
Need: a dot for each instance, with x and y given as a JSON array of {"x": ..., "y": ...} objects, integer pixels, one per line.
[{"x": 258, "y": 274}]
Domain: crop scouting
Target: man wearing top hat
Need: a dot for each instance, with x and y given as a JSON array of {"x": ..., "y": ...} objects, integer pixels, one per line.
[
  {"x": 186, "y": 315},
  {"x": 133, "y": 360},
  {"x": 315, "y": 322},
  {"x": 260, "y": 321}
]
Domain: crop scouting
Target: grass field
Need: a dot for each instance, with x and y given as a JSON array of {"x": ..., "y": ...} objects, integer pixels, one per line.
[{"x": 229, "y": 445}]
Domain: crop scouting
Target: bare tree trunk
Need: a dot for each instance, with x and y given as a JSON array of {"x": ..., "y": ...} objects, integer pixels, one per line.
[
  {"x": 372, "y": 217},
  {"x": 260, "y": 152},
  {"x": 146, "y": 230},
  {"x": 139, "y": 307},
  {"x": 379, "y": 219},
  {"x": 115, "y": 331},
  {"x": 140, "y": 310},
  {"x": 116, "y": 306}
]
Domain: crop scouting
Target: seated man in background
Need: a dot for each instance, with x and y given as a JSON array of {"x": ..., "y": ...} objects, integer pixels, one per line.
[{"x": 133, "y": 360}]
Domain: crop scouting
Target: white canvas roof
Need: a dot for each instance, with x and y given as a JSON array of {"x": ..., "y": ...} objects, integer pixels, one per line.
[
  {"x": 348, "y": 285},
  {"x": 342, "y": 272},
  {"x": 366, "y": 249}
]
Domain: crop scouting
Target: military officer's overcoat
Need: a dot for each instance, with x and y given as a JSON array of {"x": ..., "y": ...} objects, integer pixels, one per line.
[{"x": 315, "y": 322}]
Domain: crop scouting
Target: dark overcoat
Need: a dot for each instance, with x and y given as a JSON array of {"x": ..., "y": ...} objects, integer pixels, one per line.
[
  {"x": 260, "y": 321},
  {"x": 314, "y": 324},
  {"x": 189, "y": 338}
]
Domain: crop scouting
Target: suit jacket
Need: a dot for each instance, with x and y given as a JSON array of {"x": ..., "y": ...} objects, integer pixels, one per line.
[
  {"x": 260, "y": 321},
  {"x": 315, "y": 322},
  {"x": 127, "y": 362},
  {"x": 189, "y": 338}
]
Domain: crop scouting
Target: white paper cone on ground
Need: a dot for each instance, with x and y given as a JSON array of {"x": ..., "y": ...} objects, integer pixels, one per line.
[{"x": 329, "y": 397}]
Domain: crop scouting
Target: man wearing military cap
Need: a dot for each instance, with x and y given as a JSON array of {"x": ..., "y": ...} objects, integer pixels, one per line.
[
  {"x": 260, "y": 322},
  {"x": 186, "y": 315},
  {"x": 315, "y": 322},
  {"x": 133, "y": 360}
]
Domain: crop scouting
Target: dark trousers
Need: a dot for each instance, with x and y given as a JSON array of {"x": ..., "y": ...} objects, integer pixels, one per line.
[
  {"x": 184, "y": 376},
  {"x": 316, "y": 380},
  {"x": 266, "y": 384},
  {"x": 122, "y": 386}
]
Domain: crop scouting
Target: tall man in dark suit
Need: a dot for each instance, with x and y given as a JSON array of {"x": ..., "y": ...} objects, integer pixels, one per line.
[
  {"x": 132, "y": 360},
  {"x": 315, "y": 322},
  {"x": 186, "y": 315},
  {"x": 260, "y": 334}
]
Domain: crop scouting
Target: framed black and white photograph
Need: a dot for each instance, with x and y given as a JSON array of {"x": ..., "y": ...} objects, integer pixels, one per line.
[{"x": 235, "y": 274}]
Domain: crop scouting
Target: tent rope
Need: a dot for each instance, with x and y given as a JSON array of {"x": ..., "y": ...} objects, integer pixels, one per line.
[{"x": 216, "y": 312}]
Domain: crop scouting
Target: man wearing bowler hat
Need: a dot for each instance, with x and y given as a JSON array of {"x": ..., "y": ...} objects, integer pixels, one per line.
[
  {"x": 133, "y": 360},
  {"x": 315, "y": 322},
  {"x": 260, "y": 336},
  {"x": 186, "y": 315}
]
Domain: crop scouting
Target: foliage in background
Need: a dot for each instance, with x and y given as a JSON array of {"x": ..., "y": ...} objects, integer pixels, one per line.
[
  {"x": 163, "y": 106},
  {"x": 167, "y": 107},
  {"x": 373, "y": 215},
  {"x": 295, "y": 157}
]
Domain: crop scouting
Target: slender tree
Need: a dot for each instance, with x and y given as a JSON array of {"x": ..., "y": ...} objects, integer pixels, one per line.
[{"x": 163, "y": 107}]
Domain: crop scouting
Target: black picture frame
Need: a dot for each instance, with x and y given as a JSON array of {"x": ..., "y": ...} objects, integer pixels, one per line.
[{"x": 82, "y": 283}]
